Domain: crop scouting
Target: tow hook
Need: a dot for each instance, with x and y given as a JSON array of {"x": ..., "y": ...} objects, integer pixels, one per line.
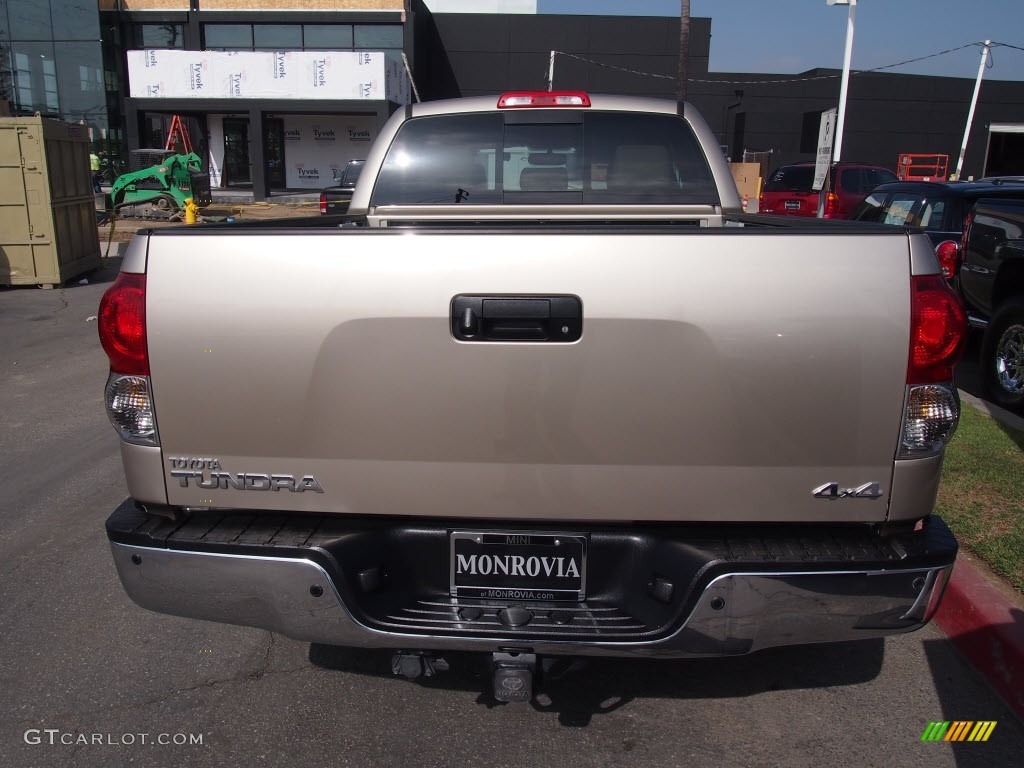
[
  {"x": 513, "y": 675},
  {"x": 412, "y": 666}
]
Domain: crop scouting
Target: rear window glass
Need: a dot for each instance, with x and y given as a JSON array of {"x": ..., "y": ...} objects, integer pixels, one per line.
[
  {"x": 791, "y": 178},
  {"x": 607, "y": 158},
  {"x": 852, "y": 180},
  {"x": 876, "y": 176},
  {"x": 872, "y": 209},
  {"x": 352, "y": 171},
  {"x": 862, "y": 180},
  {"x": 932, "y": 214},
  {"x": 901, "y": 210},
  {"x": 798, "y": 178}
]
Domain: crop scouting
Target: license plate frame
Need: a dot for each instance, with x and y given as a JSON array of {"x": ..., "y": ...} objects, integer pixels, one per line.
[{"x": 546, "y": 553}]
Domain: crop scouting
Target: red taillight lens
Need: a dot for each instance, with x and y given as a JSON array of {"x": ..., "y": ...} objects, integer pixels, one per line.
[
  {"x": 938, "y": 330},
  {"x": 323, "y": 202},
  {"x": 122, "y": 325},
  {"x": 948, "y": 253},
  {"x": 543, "y": 99},
  {"x": 831, "y": 205}
]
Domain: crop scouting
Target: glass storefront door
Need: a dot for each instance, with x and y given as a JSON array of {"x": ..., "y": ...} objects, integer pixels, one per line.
[
  {"x": 273, "y": 152},
  {"x": 237, "y": 171}
]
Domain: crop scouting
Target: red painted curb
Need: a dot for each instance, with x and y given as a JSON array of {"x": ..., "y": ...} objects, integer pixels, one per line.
[{"x": 988, "y": 629}]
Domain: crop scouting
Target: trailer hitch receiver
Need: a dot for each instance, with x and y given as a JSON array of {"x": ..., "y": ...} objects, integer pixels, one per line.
[{"x": 513, "y": 675}]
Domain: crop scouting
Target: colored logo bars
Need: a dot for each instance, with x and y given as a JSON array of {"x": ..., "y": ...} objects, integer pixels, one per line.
[{"x": 959, "y": 730}]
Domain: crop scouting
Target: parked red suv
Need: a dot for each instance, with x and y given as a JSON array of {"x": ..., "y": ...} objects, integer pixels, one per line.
[{"x": 788, "y": 189}]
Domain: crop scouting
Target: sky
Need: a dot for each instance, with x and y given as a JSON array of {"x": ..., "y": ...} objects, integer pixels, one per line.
[{"x": 790, "y": 36}]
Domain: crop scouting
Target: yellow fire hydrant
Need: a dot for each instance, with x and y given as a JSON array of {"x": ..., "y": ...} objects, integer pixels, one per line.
[{"x": 191, "y": 210}]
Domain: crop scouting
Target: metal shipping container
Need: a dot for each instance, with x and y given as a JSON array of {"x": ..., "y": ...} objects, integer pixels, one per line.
[{"x": 47, "y": 208}]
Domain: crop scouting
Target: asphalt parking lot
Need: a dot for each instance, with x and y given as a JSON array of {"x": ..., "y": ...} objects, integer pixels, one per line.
[{"x": 80, "y": 662}]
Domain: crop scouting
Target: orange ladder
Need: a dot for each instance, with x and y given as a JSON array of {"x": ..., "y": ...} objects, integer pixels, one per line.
[{"x": 178, "y": 132}]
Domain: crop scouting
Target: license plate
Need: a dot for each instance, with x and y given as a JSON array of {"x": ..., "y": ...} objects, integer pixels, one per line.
[
  {"x": 792, "y": 205},
  {"x": 514, "y": 565}
]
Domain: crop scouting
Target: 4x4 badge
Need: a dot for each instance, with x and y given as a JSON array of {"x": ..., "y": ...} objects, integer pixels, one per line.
[{"x": 832, "y": 491}]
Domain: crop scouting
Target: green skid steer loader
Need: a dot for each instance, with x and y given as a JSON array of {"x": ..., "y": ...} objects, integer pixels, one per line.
[{"x": 161, "y": 183}]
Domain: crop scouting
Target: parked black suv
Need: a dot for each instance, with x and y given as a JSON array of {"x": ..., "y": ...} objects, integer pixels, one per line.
[
  {"x": 938, "y": 207},
  {"x": 991, "y": 282}
]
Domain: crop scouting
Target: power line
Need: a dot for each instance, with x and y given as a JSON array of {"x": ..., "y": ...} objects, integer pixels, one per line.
[
  {"x": 787, "y": 79},
  {"x": 919, "y": 58},
  {"x": 621, "y": 69}
]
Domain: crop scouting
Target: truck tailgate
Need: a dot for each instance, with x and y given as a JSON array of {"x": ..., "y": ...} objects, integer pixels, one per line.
[{"x": 721, "y": 374}]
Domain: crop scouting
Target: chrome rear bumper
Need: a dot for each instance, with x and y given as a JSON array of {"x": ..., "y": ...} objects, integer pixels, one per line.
[{"x": 730, "y": 611}]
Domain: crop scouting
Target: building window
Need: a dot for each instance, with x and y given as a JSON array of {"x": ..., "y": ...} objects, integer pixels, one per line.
[
  {"x": 277, "y": 37},
  {"x": 35, "y": 77},
  {"x": 327, "y": 37},
  {"x": 295, "y": 37},
  {"x": 23, "y": 81},
  {"x": 227, "y": 37},
  {"x": 80, "y": 88},
  {"x": 150, "y": 36},
  {"x": 30, "y": 19},
  {"x": 377, "y": 37},
  {"x": 74, "y": 20},
  {"x": 809, "y": 132},
  {"x": 50, "y": 85}
]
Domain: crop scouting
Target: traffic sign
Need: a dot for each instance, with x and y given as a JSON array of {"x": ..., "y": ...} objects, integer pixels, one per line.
[{"x": 826, "y": 135}]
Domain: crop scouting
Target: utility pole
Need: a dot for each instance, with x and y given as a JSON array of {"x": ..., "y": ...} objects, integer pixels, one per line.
[
  {"x": 847, "y": 55},
  {"x": 974, "y": 103},
  {"x": 684, "y": 52}
]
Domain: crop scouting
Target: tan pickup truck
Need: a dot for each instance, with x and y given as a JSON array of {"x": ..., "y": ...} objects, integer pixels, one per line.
[{"x": 545, "y": 390}]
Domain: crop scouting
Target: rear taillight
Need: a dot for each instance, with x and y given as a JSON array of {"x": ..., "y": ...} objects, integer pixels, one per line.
[
  {"x": 938, "y": 331},
  {"x": 130, "y": 409},
  {"x": 323, "y": 202},
  {"x": 122, "y": 329},
  {"x": 122, "y": 324},
  {"x": 948, "y": 254},
  {"x": 831, "y": 205},
  {"x": 543, "y": 99}
]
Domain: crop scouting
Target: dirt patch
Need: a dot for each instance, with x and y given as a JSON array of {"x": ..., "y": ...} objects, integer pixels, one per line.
[{"x": 264, "y": 211}]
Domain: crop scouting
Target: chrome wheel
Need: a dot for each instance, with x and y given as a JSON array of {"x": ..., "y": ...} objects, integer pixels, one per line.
[{"x": 1009, "y": 359}]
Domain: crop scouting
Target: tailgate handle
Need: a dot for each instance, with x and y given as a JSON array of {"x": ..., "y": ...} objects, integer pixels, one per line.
[{"x": 556, "y": 318}]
